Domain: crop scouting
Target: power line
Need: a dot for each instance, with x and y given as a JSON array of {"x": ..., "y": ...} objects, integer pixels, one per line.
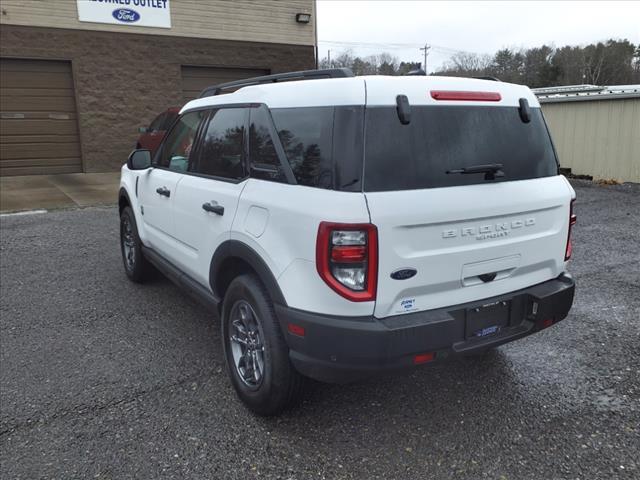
[
  {"x": 370, "y": 44},
  {"x": 393, "y": 46}
]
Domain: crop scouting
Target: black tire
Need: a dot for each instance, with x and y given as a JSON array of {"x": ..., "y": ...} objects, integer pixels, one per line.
[
  {"x": 135, "y": 265},
  {"x": 280, "y": 386}
]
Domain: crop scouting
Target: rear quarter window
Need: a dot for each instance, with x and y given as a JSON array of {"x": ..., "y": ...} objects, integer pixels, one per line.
[
  {"x": 443, "y": 138},
  {"x": 306, "y": 136},
  {"x": 323, "y": 145}
]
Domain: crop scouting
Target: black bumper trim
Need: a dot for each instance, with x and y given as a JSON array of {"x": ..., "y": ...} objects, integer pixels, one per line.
[{"x": 342, "y": 349}]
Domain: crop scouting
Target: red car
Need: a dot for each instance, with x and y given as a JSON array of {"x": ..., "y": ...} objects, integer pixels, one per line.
[{"x": 151, "y": 136}]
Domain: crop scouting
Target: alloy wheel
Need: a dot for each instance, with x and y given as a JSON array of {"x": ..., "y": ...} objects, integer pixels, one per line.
[
  {"x": 128, "y": 243},
  {"x": 247, "y": 345}
]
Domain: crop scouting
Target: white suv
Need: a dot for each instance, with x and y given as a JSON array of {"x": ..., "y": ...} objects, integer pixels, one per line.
[{"x": 344, "y": 226}]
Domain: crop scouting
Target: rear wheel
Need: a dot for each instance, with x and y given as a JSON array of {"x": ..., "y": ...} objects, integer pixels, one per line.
[
  {"x": 255, "y": 351},
  {"x": 135, "y": 265}
]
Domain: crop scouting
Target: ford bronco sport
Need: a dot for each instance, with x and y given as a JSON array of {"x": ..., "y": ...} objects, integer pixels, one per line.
[{"x": 345, "y": 226}]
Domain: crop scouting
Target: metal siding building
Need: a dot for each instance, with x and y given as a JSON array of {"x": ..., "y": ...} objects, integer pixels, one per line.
[
  {"x": 596, "y": 130},
  {"x": 74, "y": 92}
]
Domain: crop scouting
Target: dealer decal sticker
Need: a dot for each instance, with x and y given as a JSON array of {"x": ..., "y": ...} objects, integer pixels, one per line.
[{"x": 407, "y": 305}]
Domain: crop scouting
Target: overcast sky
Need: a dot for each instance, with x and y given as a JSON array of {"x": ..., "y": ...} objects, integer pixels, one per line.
[{"x": 400, "y": 27}]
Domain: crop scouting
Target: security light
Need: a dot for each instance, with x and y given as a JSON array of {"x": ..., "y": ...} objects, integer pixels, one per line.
[{"x": 303, "y": 17}]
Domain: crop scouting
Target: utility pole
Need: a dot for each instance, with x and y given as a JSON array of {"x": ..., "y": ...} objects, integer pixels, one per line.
[
  {"x": 426, "y": 49},
  {"x": 329, "y": 57}
]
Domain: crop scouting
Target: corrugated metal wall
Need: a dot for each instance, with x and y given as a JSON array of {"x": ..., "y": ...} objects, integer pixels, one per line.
[{"x": 597, "y": 137}]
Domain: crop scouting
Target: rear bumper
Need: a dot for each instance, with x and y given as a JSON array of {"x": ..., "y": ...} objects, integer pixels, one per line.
[{"x": 343, "y": 349}]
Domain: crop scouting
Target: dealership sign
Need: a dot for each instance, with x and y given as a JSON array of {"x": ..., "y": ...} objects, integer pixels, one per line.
[{"x": 141, "y": 13}]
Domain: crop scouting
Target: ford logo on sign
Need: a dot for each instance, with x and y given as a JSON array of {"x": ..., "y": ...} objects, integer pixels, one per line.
[{"x": 126, "y": 15}]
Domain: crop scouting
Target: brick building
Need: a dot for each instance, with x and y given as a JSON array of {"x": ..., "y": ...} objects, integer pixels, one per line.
[{"x": 79, "y": 77}]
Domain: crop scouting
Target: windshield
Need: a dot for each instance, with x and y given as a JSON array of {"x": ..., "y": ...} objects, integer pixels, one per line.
[{"x": 443, "y": 138}]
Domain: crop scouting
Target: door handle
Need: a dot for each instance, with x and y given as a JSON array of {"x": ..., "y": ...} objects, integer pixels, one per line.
[
  {"x": 163, "y": 191},
  {"x": 213, "y": 207}
]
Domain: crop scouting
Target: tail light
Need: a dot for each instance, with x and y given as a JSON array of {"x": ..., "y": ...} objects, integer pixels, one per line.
[
  {"x": 572, "y": 222},
  {"x": 347, "y": 259}
]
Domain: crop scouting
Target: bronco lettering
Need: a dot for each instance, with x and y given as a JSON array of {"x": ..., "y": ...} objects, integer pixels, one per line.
[{"x": 494, "y": 230}]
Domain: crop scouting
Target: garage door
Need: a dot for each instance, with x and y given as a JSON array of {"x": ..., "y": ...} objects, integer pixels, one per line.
[
  {"x": 196, "y": 79},
  {"x": 38, "y": 122}
]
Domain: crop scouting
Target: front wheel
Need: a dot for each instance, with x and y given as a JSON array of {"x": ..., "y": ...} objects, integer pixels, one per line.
[
  {"x": 135, "y": 265},
  {"x": 255, "y": 351}
]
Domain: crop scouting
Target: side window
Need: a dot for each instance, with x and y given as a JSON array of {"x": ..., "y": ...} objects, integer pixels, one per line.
[
  {"x": 221, "y": 151},
  {"x": 157, "y": 123},
  {"x": 306, "y": 136},
  {"x": 178, "y": 143},
  {"x": 168, "y": 120},
  {"x": 263, "y": 159}
]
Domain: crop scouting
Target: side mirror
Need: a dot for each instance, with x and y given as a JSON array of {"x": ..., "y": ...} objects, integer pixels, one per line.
[
  {"x": 143, "y": 130},
  {"x": 139, "y": 160}
]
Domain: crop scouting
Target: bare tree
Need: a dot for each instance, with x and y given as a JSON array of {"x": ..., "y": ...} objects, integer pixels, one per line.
[
  {"x": 605, "y": 63},
  {"x": 467, "y": 64},
  {"x": 592, "y": 61},
  {"x": 380, "y": 64}
]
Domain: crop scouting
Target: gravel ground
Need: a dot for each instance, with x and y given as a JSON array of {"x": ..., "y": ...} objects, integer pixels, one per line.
[{"x": 101, "y": 378}]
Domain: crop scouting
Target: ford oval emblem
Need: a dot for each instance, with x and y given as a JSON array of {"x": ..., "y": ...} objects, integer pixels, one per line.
[
  {"x": 126, "y": 15},
  {"x": 403, "y": 273}
]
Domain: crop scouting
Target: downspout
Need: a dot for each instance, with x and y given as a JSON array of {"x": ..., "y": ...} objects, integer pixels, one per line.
[{"x": 315, "y": 30}]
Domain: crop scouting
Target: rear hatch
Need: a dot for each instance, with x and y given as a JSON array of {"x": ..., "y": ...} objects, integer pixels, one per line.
[{"x": 467, "y": 236}]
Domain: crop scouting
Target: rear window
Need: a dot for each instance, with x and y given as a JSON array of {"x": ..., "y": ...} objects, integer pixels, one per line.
[{"x": 443, "y": 138}]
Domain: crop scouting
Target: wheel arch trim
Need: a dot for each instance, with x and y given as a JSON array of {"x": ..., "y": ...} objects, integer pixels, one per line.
[
  {"x": 242, "y": 251},
  {"x": 124, "y": 194}
]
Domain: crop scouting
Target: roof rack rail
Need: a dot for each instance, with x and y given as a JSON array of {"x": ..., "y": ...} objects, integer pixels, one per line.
[
  {"x": 278, "y": 77},
  {"x": 493, "y": 79}
]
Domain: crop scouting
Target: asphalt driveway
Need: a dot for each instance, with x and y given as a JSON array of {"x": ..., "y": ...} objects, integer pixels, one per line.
[{"x": 101, "y": 378}]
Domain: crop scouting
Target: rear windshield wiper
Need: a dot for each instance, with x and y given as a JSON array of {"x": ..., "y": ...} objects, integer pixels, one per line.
[{"x": 491, "y": 170}]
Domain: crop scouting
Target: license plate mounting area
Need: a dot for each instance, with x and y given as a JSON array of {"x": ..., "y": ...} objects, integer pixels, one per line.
[{"x": 487, "y": 320}]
